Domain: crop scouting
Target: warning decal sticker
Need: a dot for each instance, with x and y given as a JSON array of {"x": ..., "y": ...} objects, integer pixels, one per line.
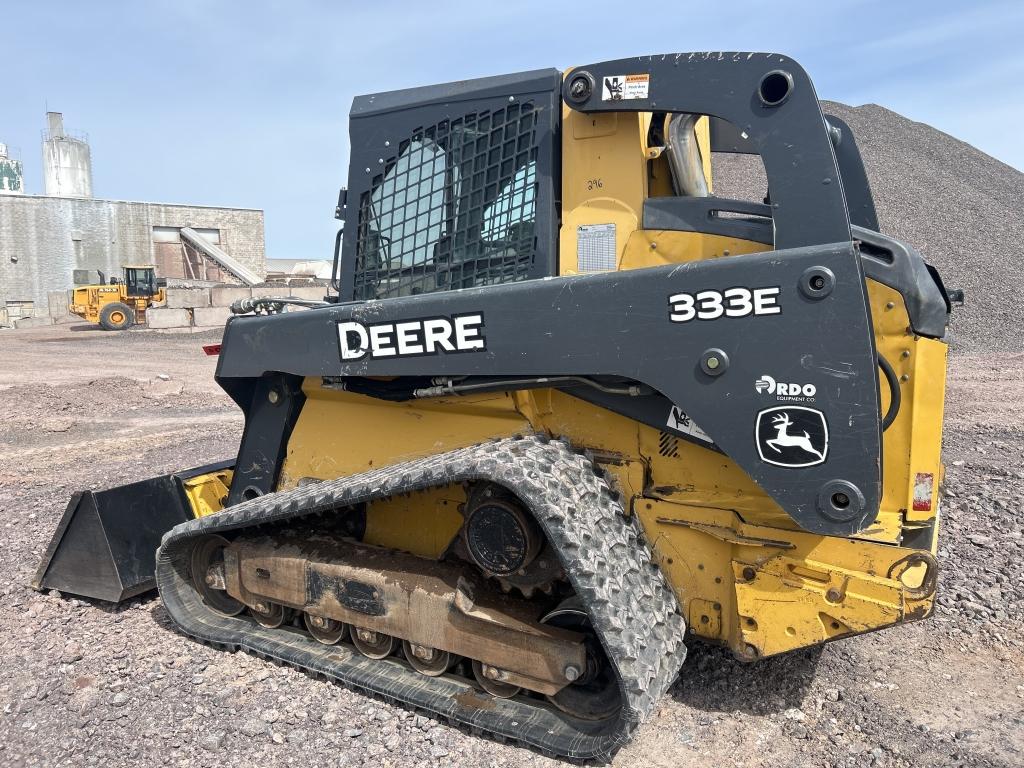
[
  {"x": 680, "y": 422},
  {"x": 625, "y": 87}
]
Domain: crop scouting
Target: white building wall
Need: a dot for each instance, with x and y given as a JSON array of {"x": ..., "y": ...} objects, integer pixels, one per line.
[{"x": 44, "y": 239}]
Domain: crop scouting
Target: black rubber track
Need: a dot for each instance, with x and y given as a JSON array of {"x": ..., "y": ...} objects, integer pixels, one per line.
[{"x": 634, "y": 613}]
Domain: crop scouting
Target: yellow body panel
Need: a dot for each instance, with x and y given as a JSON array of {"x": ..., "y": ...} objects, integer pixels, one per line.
[
  {"x": 340, "y": 434},
  {"x": 437, "y": 516},
  {"x": 745, "y": 575}
]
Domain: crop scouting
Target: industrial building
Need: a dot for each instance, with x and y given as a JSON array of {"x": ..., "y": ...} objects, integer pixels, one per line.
[
  {"x": 11, "y": 174},
  {"x": 49, "y": 242}
]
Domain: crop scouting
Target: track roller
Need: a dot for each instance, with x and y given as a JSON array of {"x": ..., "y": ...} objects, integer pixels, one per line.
[
  {"x": 327, "y": 631},
  {"x": 373, "y": 645},
  {"x": 270, "y": 615},
  {"x": 428, "y": 661},
  {"x": 490, "y": 679}
]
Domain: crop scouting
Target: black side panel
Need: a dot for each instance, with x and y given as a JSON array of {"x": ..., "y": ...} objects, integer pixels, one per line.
[
  {"x": 726, "y": 137},
  {"x": 105, "y": 544},
  {"x": 276, "y": 402},
  {"x": 621, "y": 324},
  {"x": 859, "y": 201},
  {"x": 702, "y": 214},
  {"x": 440, "y": 180},
  {"x": 899, "y": 266}
]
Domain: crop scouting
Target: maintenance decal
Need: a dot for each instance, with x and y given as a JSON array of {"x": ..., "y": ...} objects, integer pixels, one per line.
[{"x": 595, "y": 247}]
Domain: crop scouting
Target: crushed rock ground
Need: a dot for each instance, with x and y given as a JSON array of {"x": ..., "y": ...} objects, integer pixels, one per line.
[{"x": 87, "y": 684}]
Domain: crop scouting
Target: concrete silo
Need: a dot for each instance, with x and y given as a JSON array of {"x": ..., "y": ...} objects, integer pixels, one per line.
[
  {"x": 12, "y": 179},
  {"x": 67, "y": 165}
]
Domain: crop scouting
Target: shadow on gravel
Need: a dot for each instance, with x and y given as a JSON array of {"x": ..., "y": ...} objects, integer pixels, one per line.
[
  {"x": 162, "y": 619},
  {"x": 104, "y": 606},
  {"x": 713, "y": 680}
]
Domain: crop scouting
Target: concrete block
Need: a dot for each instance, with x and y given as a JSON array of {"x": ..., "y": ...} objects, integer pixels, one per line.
[
  {"x": 315, "y": 292},
  {"x": 32, "y": 322},
  {"x": 225, "y": 295},
  {"x": 188, "y": 298},
  {"x": 262, "y": 291},
  {"x": 210, "y": 317},
  {"x": 168, "y": 317},
  {"x": 58, "y": 303}
]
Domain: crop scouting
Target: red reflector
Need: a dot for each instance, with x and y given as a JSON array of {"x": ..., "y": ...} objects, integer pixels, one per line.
[
  {"x": 211, "y": 349},
  {"x": 924, "y": 482}
]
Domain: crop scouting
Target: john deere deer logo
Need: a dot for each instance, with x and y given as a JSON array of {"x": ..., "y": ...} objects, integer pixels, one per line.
[
  {"x": 783, "y": 439},
  {"x": 792, "y": 436}
]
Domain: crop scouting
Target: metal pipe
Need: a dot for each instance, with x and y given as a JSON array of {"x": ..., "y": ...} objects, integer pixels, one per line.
[
  {"x": 244, "y": 306},
  {"x": 684, "y": 156},
  {"x": 451, "y": 388}
]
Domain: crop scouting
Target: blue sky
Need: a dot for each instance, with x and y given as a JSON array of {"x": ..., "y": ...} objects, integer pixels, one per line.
[{"x": 246, "y": 103}]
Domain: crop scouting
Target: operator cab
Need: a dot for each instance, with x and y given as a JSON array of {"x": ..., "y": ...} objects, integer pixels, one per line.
[{"x": 140, "y": 280}]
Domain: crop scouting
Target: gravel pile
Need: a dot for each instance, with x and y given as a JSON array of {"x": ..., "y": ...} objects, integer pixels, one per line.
[{"x": 958, "y": 206}]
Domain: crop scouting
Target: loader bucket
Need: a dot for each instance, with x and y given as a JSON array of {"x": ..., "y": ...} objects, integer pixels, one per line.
[{"x": 105, "y": 544}]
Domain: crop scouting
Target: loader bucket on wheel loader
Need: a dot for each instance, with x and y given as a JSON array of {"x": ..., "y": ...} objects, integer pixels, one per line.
[{"x": 105, "y": 543}]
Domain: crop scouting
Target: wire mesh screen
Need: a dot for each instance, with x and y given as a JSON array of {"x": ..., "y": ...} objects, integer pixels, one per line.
[{"x": 454, "y": 208}]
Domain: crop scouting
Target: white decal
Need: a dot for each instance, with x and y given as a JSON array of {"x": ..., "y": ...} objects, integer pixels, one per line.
[
  {"x": 924, "y": 484},
  {"x": 791, "y": 436},
  {"x": 595, "y": 247},
  {"x": 355, "y": 341},
  {"x": 625, "y": 87},
  {"x": 733, "y": 302},
  {"x": 680, "y": 422},
  {"x": 411, "y": 338},
  {"x": 788, "y": 391}
]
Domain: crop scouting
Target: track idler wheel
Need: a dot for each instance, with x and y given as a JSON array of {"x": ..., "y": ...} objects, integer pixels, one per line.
[
  {"x": 428, "y": 661},
  {"x": 490, "y": 679},
  {"x": 593, "y": 693},
  {"x": 373, "y": 645},
  {"x": 207, "y": 572},
  {"x": 325, "y": 630},
  {"x": 267, "y": 614}
]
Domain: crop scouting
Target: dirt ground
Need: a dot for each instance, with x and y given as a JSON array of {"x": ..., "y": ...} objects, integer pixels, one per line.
[{"x": 87, "y": 684}]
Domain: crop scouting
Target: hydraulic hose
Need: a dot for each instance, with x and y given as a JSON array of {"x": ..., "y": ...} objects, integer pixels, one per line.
[{"x": 895, "y": 396}]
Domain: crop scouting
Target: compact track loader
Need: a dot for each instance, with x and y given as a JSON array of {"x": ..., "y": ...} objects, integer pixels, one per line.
[{"x": 570, "y": 408}]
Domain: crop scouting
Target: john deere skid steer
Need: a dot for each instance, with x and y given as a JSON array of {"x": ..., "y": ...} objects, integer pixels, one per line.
[{"x": 570, "y": 408}]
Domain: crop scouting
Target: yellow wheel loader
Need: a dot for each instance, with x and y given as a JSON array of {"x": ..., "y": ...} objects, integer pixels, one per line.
[
  {"x": 121, "y": 303},
  {"x": 569, "y": 410}
]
